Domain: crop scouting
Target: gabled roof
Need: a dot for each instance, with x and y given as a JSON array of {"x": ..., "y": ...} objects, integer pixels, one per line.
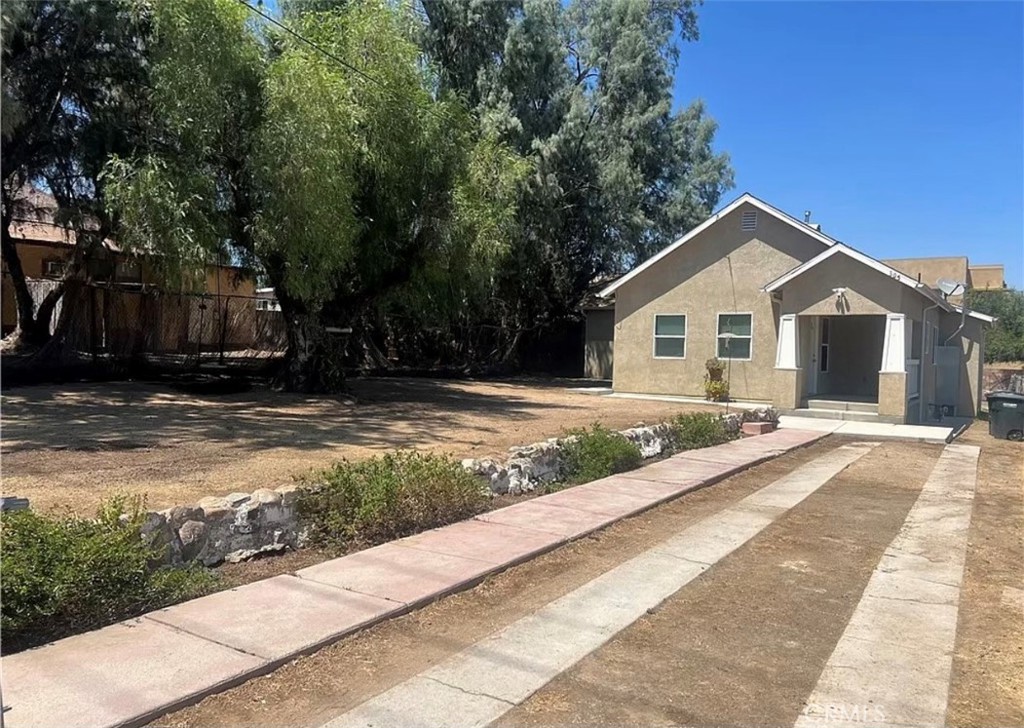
[
  {"x": 842, "y": 249},
  {"x": 747, "y": 198}
]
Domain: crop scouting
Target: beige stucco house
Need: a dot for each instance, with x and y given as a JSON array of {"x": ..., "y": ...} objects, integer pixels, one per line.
[{"x": 801, "y": 320}]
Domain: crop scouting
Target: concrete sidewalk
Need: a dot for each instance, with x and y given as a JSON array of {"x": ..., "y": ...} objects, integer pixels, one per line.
[
  {"x": 923, "y": 433},
  {"x": 130, "y": 673}
]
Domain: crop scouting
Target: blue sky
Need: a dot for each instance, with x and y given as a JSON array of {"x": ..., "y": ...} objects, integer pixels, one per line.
[{"x": 899, "y": 124}]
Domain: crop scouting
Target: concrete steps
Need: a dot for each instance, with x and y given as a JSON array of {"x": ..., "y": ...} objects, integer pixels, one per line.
[
  {"x": 841, "y": 405},
  {"x": 844, "y": 415}
]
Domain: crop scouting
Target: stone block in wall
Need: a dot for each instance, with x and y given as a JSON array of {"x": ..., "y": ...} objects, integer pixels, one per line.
[
  {"x": 289, "y": 494},
  {"x": 157, "y": 533},
  {"x": 192, "y": 536},
  {"x": 214, "y": 508}
]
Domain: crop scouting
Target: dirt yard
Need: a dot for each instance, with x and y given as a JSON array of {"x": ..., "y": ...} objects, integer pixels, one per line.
[{"x": 69, "y": 446}]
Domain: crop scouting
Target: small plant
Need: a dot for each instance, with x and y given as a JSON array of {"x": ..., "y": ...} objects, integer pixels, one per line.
[
  {"x": 387, "y": 497},
  {"x": 715, "y": 367},
  {"x": 693, "y": 430},
  {"x": 597, "y": 453},
  {"x": 66, "y": 575},
  {"x": 716, "y": 390}
]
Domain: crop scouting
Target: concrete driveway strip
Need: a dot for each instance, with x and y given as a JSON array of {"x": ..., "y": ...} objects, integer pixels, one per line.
[
  {"x": 892, "y": 665},
  {"x": 481, "y": 683}
]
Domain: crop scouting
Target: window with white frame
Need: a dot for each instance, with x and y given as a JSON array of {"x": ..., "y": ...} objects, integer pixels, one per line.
[
  {"x": 670, "y": 336},
  {"x": 734, "y": 335}
]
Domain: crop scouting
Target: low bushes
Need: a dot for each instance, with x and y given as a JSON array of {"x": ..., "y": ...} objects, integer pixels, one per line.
[
  {"x": 597, "y": 453},
  {"x": 693, "y": 430},
  {"x": 62, "y": 576},
  {"x": 387, "y": 497}
]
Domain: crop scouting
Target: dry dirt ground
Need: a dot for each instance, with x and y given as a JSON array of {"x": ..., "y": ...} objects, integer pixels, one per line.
[
  {"x": 742, "y": 645},
  {"x": 69, "y": 446}
]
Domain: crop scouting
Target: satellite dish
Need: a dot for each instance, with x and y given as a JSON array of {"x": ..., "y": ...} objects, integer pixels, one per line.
[{"x": 950, "y": 287}]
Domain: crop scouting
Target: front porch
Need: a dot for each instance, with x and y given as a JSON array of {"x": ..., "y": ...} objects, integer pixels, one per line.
[{"x": 852, "y": 367}]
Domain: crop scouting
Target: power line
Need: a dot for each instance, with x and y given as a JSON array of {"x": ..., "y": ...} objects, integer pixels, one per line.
[
  {"x": 311, "y": 44},
  {"x": 430, "y": 109}
]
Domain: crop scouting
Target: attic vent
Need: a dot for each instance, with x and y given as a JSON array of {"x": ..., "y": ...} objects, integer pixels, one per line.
[{"x": 750, "y": 220}]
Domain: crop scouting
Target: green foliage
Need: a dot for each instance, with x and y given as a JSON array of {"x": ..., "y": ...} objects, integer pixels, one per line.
[
  {"x": 597, "y": 453},
  {"x": 63, "y": 576},
  {"x": 388, "y": 497},
  {"x": 716, "y": 390},
  {"x": 354, "y": 192},
  {"x": 694, "y": 430},
  {"x": 1005, "y": 341},
  {"x": 583, "y": 90}
]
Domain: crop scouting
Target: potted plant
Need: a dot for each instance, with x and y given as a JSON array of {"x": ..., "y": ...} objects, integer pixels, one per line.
[{"x": 715, "y": 367}]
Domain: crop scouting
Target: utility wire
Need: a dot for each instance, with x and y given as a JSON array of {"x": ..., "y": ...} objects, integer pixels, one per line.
[
  {"x": 311, "y": 44},
  {"x": 431, "y": 109}
]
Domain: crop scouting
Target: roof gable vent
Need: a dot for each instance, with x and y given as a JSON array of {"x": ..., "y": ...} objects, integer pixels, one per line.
[{"x": 749, "y": 220}]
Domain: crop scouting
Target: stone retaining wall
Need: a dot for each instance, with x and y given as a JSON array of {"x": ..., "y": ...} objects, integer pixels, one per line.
[{"x": 242, "y": 525}]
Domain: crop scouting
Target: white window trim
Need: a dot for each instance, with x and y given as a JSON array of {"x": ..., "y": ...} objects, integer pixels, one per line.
[
  {"x": 718, "y": 324},
  {"x": 655, "y": 336}
]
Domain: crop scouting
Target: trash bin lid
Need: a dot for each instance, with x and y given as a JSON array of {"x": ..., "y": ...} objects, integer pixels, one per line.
[{"x": 1005, "y": 397}]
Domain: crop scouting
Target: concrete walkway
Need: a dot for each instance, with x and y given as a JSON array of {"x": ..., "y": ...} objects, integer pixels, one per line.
[
  {"x": 129, "y": 673},
  {"x": 923, "y": 433}
]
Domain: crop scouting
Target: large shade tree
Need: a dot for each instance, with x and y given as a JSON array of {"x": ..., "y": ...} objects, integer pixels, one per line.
[
  {"x": 322, "y": 157},
  {"x": 584, "y": 90}
]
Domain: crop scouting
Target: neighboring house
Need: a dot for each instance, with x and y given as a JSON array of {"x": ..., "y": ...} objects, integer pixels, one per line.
[
  {"x": 931, "y": 270},
  {"x": 801, "y": 320},
  {"x": 45, "y": 247}
]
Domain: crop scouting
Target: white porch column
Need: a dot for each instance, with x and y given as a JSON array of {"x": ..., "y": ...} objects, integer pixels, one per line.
[
  {"x": 787, "y": 352},
  {"x": 894, "y": 350}
]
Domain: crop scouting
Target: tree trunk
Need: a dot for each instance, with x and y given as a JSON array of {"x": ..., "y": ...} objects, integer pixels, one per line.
[
  {"x": 312, "y": 362},
  {"x": 25, "y": 332},
  {"x": 55, "y": 351}
]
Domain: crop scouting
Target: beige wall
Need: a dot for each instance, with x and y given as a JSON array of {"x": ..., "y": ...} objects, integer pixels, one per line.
[
  {"x": 722, "y": 270},
  {"x": 598, "y": 346},
  {"x": 930, "y": 270},
  {"x": 867, "y": 291},
  {"x": 986, "y": 276}
]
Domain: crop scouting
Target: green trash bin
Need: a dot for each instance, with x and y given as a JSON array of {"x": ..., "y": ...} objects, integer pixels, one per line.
[{"x": 1006, "y": 415}]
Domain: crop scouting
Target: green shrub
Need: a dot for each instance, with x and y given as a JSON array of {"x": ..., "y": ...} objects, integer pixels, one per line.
[
  {"x": 716, "y": 390},
  {"x": 698, "y": 429},
  {"x": 387, "y": 497},
  {"x": 62, "y": 576},
  {"x": 597, "y": 453}
]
